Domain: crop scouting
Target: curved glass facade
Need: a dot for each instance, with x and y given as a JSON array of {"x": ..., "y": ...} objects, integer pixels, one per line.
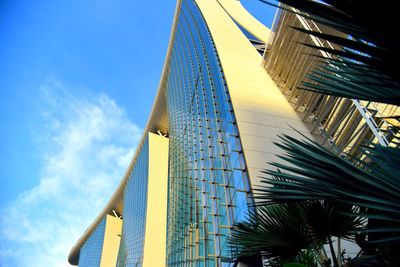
[
  {"x": 134, "y": 222},
  {"x": 90, "y": 253},
  {"x": 208, "y": 182}
]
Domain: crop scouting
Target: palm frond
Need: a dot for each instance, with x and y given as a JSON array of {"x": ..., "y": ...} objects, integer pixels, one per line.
[
  {"x": 332, "y": 218},
  {"x": 281, "y": 232},
  {"x": 352, "y": 81},
  {"x": 313, "y": 172},
  {"x": 366, "y": 54},
  {"x": 277, "y": 231}
]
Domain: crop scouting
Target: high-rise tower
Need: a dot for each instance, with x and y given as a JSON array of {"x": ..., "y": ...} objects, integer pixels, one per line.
[{"x": 209, "y": 134}]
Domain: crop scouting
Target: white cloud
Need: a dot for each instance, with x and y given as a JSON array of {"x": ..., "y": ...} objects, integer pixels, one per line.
[{"x": 86, "y": 144}]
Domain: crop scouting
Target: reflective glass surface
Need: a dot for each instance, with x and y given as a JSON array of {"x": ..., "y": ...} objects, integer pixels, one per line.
[
  {"x": 135, "y": 197},
  {"x": 90, "y": 253},
  {"x": 208, "y": 182}
]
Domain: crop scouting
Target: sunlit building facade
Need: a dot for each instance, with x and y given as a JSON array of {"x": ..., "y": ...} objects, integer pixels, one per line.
[
  {"x": 211, "y": 130},
  {"x": 215, "y": 116}
]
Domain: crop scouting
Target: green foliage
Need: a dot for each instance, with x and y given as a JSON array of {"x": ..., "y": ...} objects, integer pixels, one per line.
[
  {"x": 317, "y": 195},
  {"x": 313, "y": 172},
  {"x": 293, "y": 232},
  {"x": 277, "y": 231},
  {"x": 308, "y": 258}
]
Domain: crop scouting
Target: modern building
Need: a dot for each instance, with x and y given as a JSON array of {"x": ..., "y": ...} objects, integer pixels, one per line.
[{"x": 211, "y": 130}]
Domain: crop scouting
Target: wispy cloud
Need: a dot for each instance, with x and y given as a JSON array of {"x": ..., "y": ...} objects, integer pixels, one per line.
[{"x": 86, "y": 142}]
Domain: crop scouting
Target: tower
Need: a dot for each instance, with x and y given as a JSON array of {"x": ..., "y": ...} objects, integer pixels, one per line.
[{"x": 210, "y": 132}]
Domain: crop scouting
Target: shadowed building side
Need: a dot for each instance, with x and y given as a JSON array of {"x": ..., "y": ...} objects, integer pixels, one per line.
[{"x": 101, "y": 248}]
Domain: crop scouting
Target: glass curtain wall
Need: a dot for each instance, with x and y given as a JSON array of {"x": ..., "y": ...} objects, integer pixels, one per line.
[
  {"x": 208, "y": 183},
  {"x": 90, "y": 253},
  {"x": 135, "y": 198}
]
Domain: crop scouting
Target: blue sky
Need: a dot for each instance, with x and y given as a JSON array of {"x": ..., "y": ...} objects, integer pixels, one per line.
[{"x": 77, "y": 81}]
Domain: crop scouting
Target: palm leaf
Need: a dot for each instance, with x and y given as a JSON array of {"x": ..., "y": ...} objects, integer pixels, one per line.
[
  {"x": 371, "y": 54},
  {"x": 313, "y": 172},
  {"x": 277, "y": 231},
  {"x": 280, "y": 232}
]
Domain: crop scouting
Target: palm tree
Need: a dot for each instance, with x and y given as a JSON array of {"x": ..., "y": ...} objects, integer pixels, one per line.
[
  {"x": 283, "y": 231},
  {"x": 316, "y": 173},
  {"x": 276, "y": 231}
]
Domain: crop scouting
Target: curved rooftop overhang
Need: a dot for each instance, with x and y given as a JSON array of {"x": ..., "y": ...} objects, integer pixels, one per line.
[
  {"x": 158, "y": 120},
  {"x": 241, "y": 16}
]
